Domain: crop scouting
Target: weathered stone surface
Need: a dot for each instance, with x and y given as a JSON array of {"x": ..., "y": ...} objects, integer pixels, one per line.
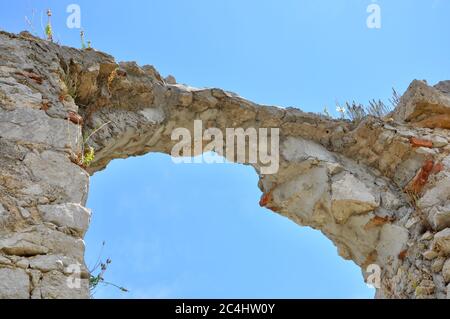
[
  {"x": 302, "y": 193},
  {"x": 439, "y": 141},
  {"x": 424, "y": 105},
  {"x": 437, "y": 264},
  {"x": 444, "y": 87},
  {"x": 439, "y": 217},
  {"x": 430, "y": 254},
  {"x": 54, "y": 286},
  {"x": 70, "y": 215},
  {"x": 350, "y": 196},
  {"x": 441, "y": 241},
  {"x": 29, "y": 125},
  {"x": 5, "y": 261},
  {"x": 392, "y": 242},
  {"x": 427, "y": 236},
  {"x": 15, "y": 94},
  {"x": 52, "y": 170},
  {"x": 436, "y": 195},
  {"x": 39, "y": 240},
  {"x": 14, "y": 284},
  {"x": 3, "y": 216},
  {"x": 298, "y": 150},
  {"x": 425, "y": 288},
  {"x": 46, "y": 263},
  {"x": 446, "y": 271},
  {"x": 19, "y": 246},
  {"x": 390, "y": 201}
]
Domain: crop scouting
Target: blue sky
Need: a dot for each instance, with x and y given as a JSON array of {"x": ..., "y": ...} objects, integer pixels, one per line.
[{"x": 195, "y": 230}]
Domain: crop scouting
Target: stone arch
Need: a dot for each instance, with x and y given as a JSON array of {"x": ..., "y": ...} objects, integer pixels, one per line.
[{"x": 363, "y": 184}]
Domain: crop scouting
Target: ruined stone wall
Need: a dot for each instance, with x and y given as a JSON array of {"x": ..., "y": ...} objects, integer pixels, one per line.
[{"x": 378, "y": 188}]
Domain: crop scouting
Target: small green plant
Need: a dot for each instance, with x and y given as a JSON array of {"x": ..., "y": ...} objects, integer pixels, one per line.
[
  {"x": 325, "y": 112},
  {"x": 48, "y": 27},
  {"x": 87, "y": 154},
  {"x": 71, "y": 84},
  {"x": 97, "y": 274},
  {"x": 83, "y": 45}
]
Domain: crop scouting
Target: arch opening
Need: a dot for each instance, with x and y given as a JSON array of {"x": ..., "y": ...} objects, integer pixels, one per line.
[{"x": 197, "y": 231}]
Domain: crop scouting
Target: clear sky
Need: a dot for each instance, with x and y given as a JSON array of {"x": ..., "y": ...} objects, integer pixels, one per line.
[{"x": 195, "y": 230}]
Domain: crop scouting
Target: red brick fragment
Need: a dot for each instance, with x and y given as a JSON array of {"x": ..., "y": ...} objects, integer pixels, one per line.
[
  {"x": 265, "y": 199},
  {"x": 417, "y": 142},
  {"x": 45, "y": 105},
  {"x": 75, "y": 118},
  {"x": 421, "y": 179},
  {"x": 376, "y": 222},
  {"x": 402, "y": 255},
  {"x": 438, "y": 167}
]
